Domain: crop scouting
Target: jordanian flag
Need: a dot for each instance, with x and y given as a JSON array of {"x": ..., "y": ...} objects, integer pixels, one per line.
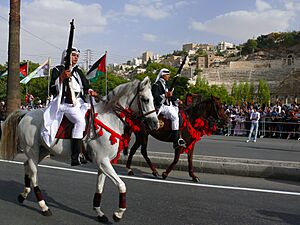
[
  {"x": 97, "y": 69},
  {"x": 23, "y": 71}
]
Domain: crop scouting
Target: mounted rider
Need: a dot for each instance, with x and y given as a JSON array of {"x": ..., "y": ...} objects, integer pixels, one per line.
[
  {"x": 167, "y": 105},
  {"x": 72, "y": 106}
]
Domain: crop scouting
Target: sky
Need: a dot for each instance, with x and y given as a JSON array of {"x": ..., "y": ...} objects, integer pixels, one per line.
[{"x": 127, "y": 28}]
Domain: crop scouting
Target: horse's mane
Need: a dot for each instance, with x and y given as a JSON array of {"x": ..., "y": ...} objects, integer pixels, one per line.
[{"x": 110, "y": 100}]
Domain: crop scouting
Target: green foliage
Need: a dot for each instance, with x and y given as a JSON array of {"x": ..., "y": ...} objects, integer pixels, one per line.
[
  {"x": 263, "y": 93},
  {"x": 276, "y": 40},
  {"x": 249, "y": 47},
  {"x": 38, "y": 87},
  {"x": 112, "y": 82},
  {"x": 153, "y": 69},
  {"x": 3, "y": 88}
]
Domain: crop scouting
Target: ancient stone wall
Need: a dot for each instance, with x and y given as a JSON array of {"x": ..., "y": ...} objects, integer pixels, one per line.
[{"x": 272, "y": 71}]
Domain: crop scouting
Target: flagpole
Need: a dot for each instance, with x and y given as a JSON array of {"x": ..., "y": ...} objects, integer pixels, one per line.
[
  {"x": 106, "y": 86},
  {"x": 49, "y": 62},
  {"x": 27, "y": 72}
]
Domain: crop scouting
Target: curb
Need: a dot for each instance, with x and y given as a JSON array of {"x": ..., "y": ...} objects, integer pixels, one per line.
[{"x": 285, "y": 170}]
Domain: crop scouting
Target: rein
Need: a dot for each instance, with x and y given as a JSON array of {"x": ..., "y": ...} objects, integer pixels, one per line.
[{"x": 127, "y": 116}]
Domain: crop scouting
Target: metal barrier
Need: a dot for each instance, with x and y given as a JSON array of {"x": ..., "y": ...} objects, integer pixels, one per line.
[{"x": 276, "y": 129}]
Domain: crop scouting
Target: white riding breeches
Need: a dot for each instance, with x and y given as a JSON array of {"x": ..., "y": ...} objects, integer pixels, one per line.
[
  {"x": 77, "y": 116},
  {"x": 170, "y": 112}
]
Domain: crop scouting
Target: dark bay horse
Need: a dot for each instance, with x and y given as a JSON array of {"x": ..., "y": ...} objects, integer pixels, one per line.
[{"x": 199, "y": 117}]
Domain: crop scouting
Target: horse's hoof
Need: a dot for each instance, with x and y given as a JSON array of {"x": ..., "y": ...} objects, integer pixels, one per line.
[
  {"x": 102, "y": 219},
  {"x": 196, "y": 179},
  {"x": 164, "y": 175},
  {"x": 21, "y": 199},
  {"x": 47, "y": 213},
  {"x": 155, "y": 173},
  {"x": 116, "y": 219},
  {"x": 130, "y": 173}
]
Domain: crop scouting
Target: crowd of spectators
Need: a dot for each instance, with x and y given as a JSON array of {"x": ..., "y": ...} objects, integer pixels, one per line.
[{"x": 276, "y": 121}]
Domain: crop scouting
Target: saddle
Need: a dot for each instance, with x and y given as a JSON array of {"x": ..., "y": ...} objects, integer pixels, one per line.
[
  {"x": 66, "y": 126},
  {"x": 165, "y": 128}
]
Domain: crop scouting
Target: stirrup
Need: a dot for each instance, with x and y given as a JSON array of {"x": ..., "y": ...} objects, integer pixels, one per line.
[
  {"x": 181, "y": 143},
  {"x": 82, "y": 158}
]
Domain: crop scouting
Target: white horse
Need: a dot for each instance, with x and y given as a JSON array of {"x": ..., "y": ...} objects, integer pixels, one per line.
[{"x": 22, "y": 130}]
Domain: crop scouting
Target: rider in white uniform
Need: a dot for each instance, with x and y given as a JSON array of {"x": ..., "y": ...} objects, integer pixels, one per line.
[{"x": 74, "y": 108}]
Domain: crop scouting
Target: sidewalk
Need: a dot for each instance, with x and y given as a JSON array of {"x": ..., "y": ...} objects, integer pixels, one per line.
[{"x": 260, "y": 159}]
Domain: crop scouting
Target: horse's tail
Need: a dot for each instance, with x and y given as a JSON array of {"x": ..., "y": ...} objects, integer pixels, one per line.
[{"x": 9, "y": 139}]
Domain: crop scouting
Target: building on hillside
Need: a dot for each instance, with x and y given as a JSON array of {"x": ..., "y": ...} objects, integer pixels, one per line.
[
  {"x": 205, "y": 61},
  {"x": 146, "y": 56},
  {"x": 172, "y": 60},
  {"x": 136, "y": 62},
  {"x": 195, "y": 47},
  {"x": 223, "y": 46}
]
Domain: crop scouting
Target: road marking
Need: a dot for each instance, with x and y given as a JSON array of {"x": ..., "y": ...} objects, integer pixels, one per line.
[{"x": 167, "y": 181}]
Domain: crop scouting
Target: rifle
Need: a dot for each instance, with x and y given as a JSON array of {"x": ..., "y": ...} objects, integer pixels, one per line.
[
  {"x": 175, "y": 78},
  {"x": 69, "y": 93},
  {"x": 178, "y": 73}
]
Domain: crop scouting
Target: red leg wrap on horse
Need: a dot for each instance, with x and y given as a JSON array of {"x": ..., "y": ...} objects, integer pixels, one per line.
[
  {"x": 122, "y": 200},
  {"x": 27, "y": 181},
  {"x": 38, "y": 193},
  {"x": 97, "y": 200}
]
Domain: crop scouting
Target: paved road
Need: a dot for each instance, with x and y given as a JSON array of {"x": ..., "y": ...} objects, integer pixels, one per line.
[
  {"x": 268, "y": 158},
  {"x": 236, "y": 147},
  {"x": 216, "y": 200}
]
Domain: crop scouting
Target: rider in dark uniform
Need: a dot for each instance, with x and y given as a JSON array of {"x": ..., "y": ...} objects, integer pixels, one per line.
[{"x": 167, "y": 104}]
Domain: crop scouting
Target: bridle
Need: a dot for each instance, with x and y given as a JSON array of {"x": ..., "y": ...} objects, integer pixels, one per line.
[{"x": 141, "y": 114}]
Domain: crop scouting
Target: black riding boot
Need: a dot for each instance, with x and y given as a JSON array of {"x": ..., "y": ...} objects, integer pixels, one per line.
[
  {"x": 177, "y": 140},
  {"x": 76, "y": 156}
]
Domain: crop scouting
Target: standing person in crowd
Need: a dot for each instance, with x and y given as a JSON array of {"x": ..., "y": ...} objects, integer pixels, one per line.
[
  {"x": 254, "y": 118},
  {"x": 167, "y": 104},
  {"x": 30, "y": 100},
  {"x": 74, "y": 109}
]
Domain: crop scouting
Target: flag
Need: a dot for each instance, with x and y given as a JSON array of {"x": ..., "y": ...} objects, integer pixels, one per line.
[
  {"x": 3, "y": 73},
  {"x": 23, "y": 71},
  {"x": 97, "y": 69},
  {"x": 41, "y": 71}
]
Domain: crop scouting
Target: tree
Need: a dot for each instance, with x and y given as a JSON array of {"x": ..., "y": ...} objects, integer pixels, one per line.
[
  {"x": 234, "y": 91},
  {"x": 249, "y": 47},
  {"x": 13, "y": 79},
  {"x": 201, "y": 87},
  {"x": 263, "y": 93},
  {"x": 112, "y": 82}
]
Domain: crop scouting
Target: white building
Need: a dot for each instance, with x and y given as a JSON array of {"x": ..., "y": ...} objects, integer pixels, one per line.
[{"x": 223, "y": 46}]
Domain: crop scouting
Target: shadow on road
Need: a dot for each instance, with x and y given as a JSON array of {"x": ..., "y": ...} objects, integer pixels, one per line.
[
  {"x": 280, "y": 217},
  {"x": 11, "y": 189}
]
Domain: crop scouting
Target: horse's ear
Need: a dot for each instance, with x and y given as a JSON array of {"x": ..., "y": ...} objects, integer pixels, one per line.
[{"x": 144, "y": 83}]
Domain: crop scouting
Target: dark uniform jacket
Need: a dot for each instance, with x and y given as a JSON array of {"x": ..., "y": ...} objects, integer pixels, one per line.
[
  {"x": 56, "y": 72},
  {"x": 158, "y": 92}
]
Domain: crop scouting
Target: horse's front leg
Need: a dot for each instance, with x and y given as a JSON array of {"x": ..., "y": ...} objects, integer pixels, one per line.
[
  {"x": 172, "y": 165},
  {"x": 133, "y": 149},
  {"x": 190, "y": 165},
  {"x": 144, "y": 141},
  {"x": 97, "y": 197},
  {"x": 109, "y": 171}
]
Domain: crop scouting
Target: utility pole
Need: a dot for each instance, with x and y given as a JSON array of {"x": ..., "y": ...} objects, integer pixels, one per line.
[
  {"x": 88, "y": 55},
  {"x": 13, "y": 78}
]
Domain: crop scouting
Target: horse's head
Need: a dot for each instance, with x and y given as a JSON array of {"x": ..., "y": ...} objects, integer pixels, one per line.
[
  {"x": 145, "y": 103},
  {"x": 210, "y": 109}
]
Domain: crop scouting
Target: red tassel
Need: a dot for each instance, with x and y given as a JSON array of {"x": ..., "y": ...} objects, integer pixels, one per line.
[{"x": 113, "y": 139}]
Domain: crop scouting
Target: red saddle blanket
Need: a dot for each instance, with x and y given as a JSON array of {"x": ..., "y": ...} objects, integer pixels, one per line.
[{"x": 66, "y": 126}]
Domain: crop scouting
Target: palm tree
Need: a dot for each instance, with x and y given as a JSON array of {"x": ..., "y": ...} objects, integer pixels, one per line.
[{"x": 13, "y": 79}]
